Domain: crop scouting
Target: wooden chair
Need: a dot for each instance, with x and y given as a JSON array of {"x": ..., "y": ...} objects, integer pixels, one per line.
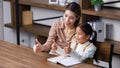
[{"x": 105, "y": 52}]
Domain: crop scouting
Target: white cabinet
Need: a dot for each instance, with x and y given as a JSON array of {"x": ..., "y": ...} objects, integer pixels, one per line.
[
  {"x": 27, "y": 39},
  {"x": 9, "y": 35}
]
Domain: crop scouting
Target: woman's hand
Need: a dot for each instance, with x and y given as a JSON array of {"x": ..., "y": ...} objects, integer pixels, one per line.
[
  {"x": 37, "y": 47},
  {"x": 67, "y": 49},
  {"x": 53, "y": 48},
  {"x": 54, "y": 45}
]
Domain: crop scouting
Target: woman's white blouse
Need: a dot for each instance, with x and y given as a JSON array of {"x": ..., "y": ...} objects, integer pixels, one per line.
[{"x": 82, "y": 51}]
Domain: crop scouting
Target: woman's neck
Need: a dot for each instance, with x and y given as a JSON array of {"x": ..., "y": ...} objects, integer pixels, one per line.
[
  {"x": 68, "y": 32},
  {"x": 70, "y": 28}
]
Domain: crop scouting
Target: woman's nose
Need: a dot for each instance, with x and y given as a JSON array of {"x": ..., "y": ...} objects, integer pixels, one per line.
[
  {"x": 75, "y": 35},
  {"x": 67, "y": 19}
]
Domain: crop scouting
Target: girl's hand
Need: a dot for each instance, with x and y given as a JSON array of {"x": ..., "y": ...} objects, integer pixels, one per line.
[
  {"x": 37, "y": 47},
  {"x": 67, "y": 49}
]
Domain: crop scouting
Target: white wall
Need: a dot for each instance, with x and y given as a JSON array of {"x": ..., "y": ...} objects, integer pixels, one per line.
[
  {"x": 109, "y": 0},
  {"x": 1, "y": 20},
  {"x": 40, "y": 13},
  {"x": 9, "y": 34}
]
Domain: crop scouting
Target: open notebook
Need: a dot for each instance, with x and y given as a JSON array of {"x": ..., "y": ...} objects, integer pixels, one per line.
[{"x": 63, "y": 59}]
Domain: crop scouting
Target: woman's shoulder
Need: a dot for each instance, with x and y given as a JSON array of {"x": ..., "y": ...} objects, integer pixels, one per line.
[{"x": 58, "y": 24}]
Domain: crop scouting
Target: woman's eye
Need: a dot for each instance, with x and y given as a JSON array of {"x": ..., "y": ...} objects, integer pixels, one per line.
[
  {"x": 71, "y": 18},
  {"x": 79, "y": 33},
  {"x": 65, "y": 15}
]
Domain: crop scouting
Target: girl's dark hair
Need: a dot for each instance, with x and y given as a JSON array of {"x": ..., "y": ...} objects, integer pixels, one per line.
[
  {"x": 93, "y": 34},
  {"x": 87, "y": 28},
  {"x": 74, "y": 7}
]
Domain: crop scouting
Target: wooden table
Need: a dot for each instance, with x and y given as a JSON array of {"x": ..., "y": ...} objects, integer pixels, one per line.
[{"x": 14, "y": 56}]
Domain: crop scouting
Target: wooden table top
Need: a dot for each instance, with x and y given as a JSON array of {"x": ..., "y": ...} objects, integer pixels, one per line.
[{"x": 15, "y": 56}]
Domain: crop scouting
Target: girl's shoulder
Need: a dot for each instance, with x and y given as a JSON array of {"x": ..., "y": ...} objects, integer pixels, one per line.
[{"x": 92, "y": 46}]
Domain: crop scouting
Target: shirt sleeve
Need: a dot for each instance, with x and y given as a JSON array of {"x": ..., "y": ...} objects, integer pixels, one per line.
[
  {"x": 88, "y": 53},
  {"x": 52, "y": 36}
]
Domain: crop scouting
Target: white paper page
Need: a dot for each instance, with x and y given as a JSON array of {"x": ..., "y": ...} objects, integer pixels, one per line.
[
  {"x": 55, "y": 59},
  {"x": 69, "y": 61}
]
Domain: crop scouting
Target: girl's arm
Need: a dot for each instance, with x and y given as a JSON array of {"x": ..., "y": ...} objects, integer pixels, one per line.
[{"x": 88, "y": 53}]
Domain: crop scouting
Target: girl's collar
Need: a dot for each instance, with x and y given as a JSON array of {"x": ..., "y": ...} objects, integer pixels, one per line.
[{"x": 86, "y": 43}]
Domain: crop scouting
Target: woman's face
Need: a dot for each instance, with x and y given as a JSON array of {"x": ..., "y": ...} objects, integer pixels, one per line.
[
  {"x": 80, "y": 36},
  {"x": 69, "y": 18}
]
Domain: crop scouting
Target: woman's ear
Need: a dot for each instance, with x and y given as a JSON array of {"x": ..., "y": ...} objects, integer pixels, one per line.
[{"x": 77, "y": 17}]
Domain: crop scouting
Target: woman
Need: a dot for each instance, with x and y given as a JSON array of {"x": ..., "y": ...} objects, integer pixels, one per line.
[
  {"x": 83, "y": 46},
  {"x": 62, "y": 31}
]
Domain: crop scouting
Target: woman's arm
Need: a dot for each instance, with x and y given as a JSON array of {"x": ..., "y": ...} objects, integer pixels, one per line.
[{"x": 52, "y": 36}]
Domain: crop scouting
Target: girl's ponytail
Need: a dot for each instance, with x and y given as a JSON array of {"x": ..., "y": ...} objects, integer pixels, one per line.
[{"x": 94, "y": 37}]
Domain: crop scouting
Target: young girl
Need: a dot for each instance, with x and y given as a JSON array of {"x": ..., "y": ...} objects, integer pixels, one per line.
[{"x": 82, "y": 47}]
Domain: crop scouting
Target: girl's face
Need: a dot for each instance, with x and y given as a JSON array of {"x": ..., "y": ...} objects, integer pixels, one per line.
[
  {"x": 69, "y": 18},
  {"x": 80, "y": 36}
]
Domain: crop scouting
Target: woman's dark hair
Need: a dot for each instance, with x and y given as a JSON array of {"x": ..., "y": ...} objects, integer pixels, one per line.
[
  {"x": 74, "y": 7},
  {"x": 87, "y": 28}
]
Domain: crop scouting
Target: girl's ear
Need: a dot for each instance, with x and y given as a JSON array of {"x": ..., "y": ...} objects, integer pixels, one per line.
[{"x": 88, "y": 37}]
